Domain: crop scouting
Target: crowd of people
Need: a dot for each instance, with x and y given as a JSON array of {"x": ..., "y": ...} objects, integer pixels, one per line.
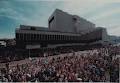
[
  {"x": 95, "y": 65},
  {"x": 8, "y": 54},
  {"x": 14, "y": 54},
  {"x": 10, "y": 57}
]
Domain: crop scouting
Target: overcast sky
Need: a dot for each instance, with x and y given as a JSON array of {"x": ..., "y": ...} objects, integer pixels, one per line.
[{"x": 104, "y": 13}]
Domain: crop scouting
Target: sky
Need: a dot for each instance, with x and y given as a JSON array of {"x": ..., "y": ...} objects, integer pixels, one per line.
[{"x": 103, "y": 13}]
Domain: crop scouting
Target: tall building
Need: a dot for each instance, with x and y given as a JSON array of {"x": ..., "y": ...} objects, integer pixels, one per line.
[
  {"x": 64, "y": 22},
  {"x": 63, "y": 30}
]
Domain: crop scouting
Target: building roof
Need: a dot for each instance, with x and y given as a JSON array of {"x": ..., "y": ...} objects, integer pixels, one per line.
[{"x": 29, "y": 27}]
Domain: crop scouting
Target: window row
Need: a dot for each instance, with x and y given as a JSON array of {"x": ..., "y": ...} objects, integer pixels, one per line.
[{"x": 45, "y": 37}]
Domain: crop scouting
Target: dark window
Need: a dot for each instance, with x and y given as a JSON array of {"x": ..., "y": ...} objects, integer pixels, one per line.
[
  {"x": 75, "y": 19},
  {"x": 51, "y": 22},
  {"x": 28, "y": 36},
  {"x": 32, "y": 28},
  {"x": 17, "y": 36},
  {"x": 40, "y": 36},
  {"x": 32, "y": 36},
  {"x": 51, "y": 19},
  {"x": 37, "y": 36},
  {"x": 63, "y": 37},
  {"x": 50, "y": 36},
  {"x": 24, "y": 36},
  {"x": 55, "y": 37},
  {"x": 45, "y": 37},
  {"x": 58, "y": 37}
]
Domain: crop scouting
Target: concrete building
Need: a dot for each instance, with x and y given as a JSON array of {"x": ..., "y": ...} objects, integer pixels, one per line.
[
  {"x": 61, "y": 21},
  {"x": 63, "y": 30},
  {"x": 100, "y": 34},
  {"x": 64, "y": 22},
  {"x": 82, "y": 26},
  {"x": 43, "y": 37}
]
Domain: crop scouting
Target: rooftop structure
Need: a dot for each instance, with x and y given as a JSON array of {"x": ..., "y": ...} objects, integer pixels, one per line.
[{"x": 64, "y": 22}]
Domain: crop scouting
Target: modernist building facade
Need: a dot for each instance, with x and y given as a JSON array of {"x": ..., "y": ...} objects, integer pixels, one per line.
[
  {"x": 64, "y": 22},
  {"x": 63, "y": 29}
]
